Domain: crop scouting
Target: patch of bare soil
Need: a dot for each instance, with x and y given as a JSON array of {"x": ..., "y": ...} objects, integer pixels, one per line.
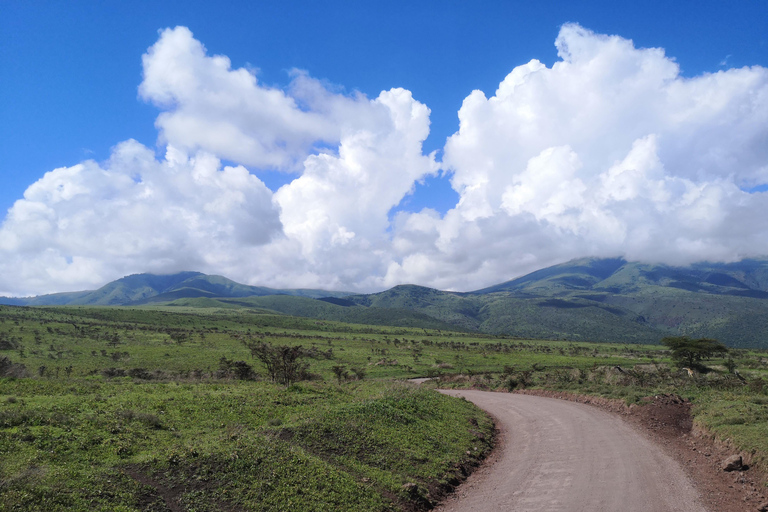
[
  {"x": 158, "y": 496},
  {"x": 666, "y": 420},
  {"x": 164, "y": 495}
]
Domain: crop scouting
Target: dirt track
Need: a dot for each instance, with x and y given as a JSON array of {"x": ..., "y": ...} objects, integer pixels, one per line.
[{"x": 556, "y": 455}]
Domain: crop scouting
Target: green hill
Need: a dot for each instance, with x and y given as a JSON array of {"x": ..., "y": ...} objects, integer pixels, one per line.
[
  {"x": 722, "y": 300},
  {"x": 138, "y": 289},
  {"x": 584, "y": 299},
  {"x": 324, "y": 310}
]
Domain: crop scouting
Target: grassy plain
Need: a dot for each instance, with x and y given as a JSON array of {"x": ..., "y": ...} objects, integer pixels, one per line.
[
  {"x": 124, "y": 409},
  {"x": 136, "y": 409}
]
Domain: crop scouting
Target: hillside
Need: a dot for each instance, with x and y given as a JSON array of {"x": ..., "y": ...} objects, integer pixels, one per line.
[
  {"x": 138, "y": 289},
  {"x": 606, "y": 300},
  {"x": 585, "y": 299},
  {"x": 724, "y": 301}
]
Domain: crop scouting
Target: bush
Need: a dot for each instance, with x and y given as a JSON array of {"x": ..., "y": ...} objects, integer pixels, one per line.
[
  {"x": 284, "y": 364},
  {"x": 510, "y": 383},
  {"x": 150, "y": 420},
  {"x": 239, "y": 370},
  {"x": 757, "y": 385},
  {"x": 139, "y": 373},
  {"x": 113, "y": 372},
  {"x": 10, "y": 369}
]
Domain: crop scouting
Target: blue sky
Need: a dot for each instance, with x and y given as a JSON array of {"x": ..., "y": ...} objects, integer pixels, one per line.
[{"x": 71, "y": 73}]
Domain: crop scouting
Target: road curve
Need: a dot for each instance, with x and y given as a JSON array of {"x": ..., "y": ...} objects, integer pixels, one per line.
[{"x": 556, "y": 455}]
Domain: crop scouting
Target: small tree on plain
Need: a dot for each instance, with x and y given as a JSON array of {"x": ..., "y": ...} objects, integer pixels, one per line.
[
  {"x": 341, "y": 372},
  {"x": 284, "y": 364},
  {"x": 690, "y": 352}
]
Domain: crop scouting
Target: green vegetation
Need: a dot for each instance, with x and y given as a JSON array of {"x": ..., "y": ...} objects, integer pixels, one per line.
[
  {"x": 604, "y": 300},
  {"x": 237, "y": 408},
  {"x": 121, "y": 445},
  {"x": 127, "y": 409},
  {"x": 689, "y": 352}
]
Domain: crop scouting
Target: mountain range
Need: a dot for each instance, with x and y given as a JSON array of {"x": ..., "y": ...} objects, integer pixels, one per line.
[
  {"x": 585, "y": 299},
  {"x": 140, "y": 289}
]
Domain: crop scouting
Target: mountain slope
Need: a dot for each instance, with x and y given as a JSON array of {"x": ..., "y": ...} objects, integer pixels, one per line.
[
  {"x": 606, "y": 300},
  {"x": 584, "y": 299},
  {"x": 140, "y": 289},
  {"x": 727, "y": 301},
  {"x": 747, "y": 278}
]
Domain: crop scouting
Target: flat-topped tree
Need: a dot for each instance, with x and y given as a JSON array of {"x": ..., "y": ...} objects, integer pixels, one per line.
[{"x": 690, "y": 352}]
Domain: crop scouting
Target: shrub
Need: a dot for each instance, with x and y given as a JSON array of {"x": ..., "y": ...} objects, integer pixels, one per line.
[
  {"x": 341, "y": 373},
  {"x": 239, "y": 370},
  {"x": 10, "y": 369},
  {"x": 150, "y": 420},
  {"x": 113, "y": 372},
  {"x": 284, "y": 364},
  {"x": 510, "y": 383},
  {"x": 757, "y": 385},
  {"x": 139, "y": 373}
]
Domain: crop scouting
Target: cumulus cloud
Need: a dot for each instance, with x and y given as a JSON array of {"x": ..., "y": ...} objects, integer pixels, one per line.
[
  {"x": 210, "y": 106},
  {"x": 609, "y": 152},
  {"x": 85, "y": 224},
  {"x": 345, "y": 198}
]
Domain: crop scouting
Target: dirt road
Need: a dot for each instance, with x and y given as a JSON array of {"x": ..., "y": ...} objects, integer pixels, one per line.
[{"x": 556, "y": 455}]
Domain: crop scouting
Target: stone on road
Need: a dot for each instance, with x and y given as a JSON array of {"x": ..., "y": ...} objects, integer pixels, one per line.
[{"x": 555, "y": 455}]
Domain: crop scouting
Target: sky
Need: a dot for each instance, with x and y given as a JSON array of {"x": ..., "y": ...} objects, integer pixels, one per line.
[{"x": 359, "y": 145}]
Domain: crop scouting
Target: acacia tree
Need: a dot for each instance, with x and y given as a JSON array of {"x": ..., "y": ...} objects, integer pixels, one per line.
[
  {"x": 284, "y": 364},
  {"x": 690, "y": 352},
  {"x": 341, "y": 372}
]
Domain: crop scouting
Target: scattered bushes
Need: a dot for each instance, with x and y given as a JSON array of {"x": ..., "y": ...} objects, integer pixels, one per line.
[{"x": 7, "y": 343}]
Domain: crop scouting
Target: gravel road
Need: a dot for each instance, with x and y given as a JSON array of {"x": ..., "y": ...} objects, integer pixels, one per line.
[{"x": 555, "y": 455}]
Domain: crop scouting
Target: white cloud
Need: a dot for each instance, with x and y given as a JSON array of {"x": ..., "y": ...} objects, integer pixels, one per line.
[
  {"x": 88, "y": 223},
  {"x": 84, "y": 225},
  {"x": 610, "y": 152},
  {"x": 210, "y": 106},
  {"x": 346, "y": 198}
]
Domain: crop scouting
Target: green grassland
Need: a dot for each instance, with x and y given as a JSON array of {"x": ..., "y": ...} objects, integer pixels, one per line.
[
  {"x": 120, "y": 445},
  {"x": 128, "y": 408},
  {"x": 639, "y": 312},
  {"x": 123, "y": 409}
]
